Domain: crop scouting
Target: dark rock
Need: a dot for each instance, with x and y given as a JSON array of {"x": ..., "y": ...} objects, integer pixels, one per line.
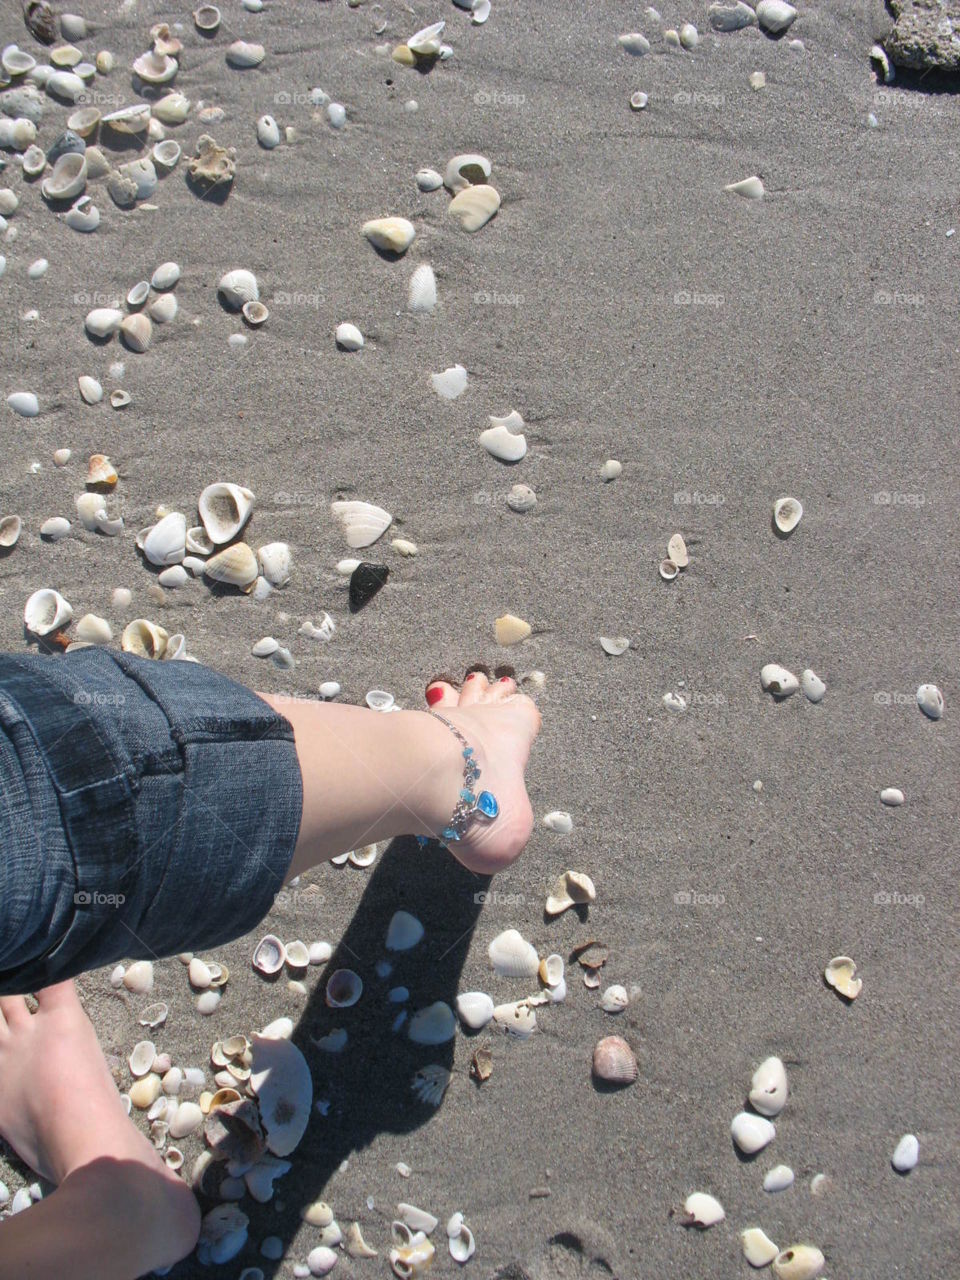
[{"x": 365, "y": 581}]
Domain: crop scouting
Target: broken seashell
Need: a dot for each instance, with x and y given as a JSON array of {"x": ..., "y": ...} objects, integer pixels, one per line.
[
  {"x": 154, "y": 68},
  {"x": 281, "y": 1080},
  {"x": 212, "y": 165},
  {"x": 750, "y": 188},
  {"x": 758, "y": 1249},
  {"x": 466, "y": 170},
  {"x": 799, "y": 1262},
  {"x": 550, "y": 970},
  {"x": 509, "y": 629},
  {"x": 101, "y": 471},
  {"x": 155, "y": 1015},
  {"x": 422, "y": 294},
  {"x": 119, "y": 398},
  {"x": 812, "y": 686},
  {"x": 516, "y": 1017},
  {"x": 403, "y": 932},
  {"x": 404, "y": 547},
  {"x": 354, "y": 1244},
  {"x": 840, "y": 974},
  {"x": 207, "y": 18},
  {"x": 614, "y": 999},
  {"x": 702, "y": 1210},
  {"x": 778, "y": 680},
  {"x": 778, "y": 1179},
  {"x": 461, "y": 1244},
  {"x": 132, "y": 120},
  {"x": 412, "y": 1259},
  {"x": 481, "y": 1064},
  {"x": 344, "y": 988},
  {"x": 752, "y": 1133},
  {"x": 235, "y": 565},
  {"x": 46, "y": 611},
  {"x": 433, "y": 1025},
  {"x": 318, "y": 1214},
  {"x": 906, "y": 1154},
  {"x": 521, "y": 498},
  {"x": 502, "y": 443},
  {"x": 417, "y": 1219},
  {"x": 166, "y": 154},
  {"x": 614, "y": 1062},
  {"x": 930, "y": 701},
  {"x": 573, "y": 888},
  {"x": 475, "y": 206},
  {"x": 269, "y": 955},
  {"x": 348, "y": 337},
  {"x": 768, "y": 1087},
  {"x": 451, "y": 383},
  {"x": 144, "y": 638},
  {"x": 512, "y": 956},
  {"x": 390, "y": 235},
  {"x": 363, "y": 523},
  {"x": 558, "y": 820},
  {"x": 165, "y": 543}
]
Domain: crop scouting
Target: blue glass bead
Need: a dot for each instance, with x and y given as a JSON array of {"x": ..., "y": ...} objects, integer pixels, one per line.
[
  {"x": 487, "y": 804},
  {"x": 467, "y": 752},
  {"x": 422, "y": 841},
  {"x": 448, "y": 833},
  {"x": 467, "y": 795}
]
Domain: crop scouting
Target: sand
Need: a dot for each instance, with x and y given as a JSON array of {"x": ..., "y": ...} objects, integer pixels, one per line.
[{"x": 815, "y": 357}]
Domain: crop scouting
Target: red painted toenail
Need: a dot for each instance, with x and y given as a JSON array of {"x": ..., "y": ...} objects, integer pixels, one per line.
[
  {"x": 470, "y": 676},
  {"x": 504, "y": 679},
  {"x": 434, "y": 694}
]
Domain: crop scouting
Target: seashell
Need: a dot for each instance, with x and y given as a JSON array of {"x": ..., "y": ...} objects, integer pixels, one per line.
[
  {"x": 778, "y": 1179},
  {"x": 614, "y": 999},
  {"x": 68, "y": 179},
  {"x": 433, "y": 1025},
  {"x": 573, "y": 888},
  {"x": 155, "y": 68},
  {"x": 175, "y": 576},
  {"x": 677, "y": 551},
  {"x": 101, "y": 471},
  {"x": 481, "y": 1064},
  {"x": 591, "y": 979},
  {"x": 269, "y": 955},
  {"x": 404, "y": 547},
  {"x": 758, "y": 1249},
  {"x": 223, "y": 1233},
  {"x": 512, "y": 956},
  {"x": 428, "y": 179},
  {"x": 390, "y": 235},
  {"x": 237, "y": 287},
  {"x": 412, "y": 1259},
  {"x": 102, "y": 322},
  {"x": 800, "y": 1261},
  {"x": 348, "y": 337},
  {"x": 83, "y": 122},
  {"x": 462, "y": 1245},
  {"x": 516, "y": 1017},
  {"x": 171, "y": 109},
  {"x": 93, "y": 629},
  {"x": 614, "y": 1062},
  {"x": 403, "y": 932},
  {"x": 417, "y": 1219},
  {"x": 702, "y": 1210},
  {"x": 166, "y": 154},
  {"x": 840, "y": 974},
  {"x": 768, "y": 1087},
  {"x": 750, "y": 188},
  {"x": 422, "y": 295},
  {"x": 255, "y": 313},
  {"x": 775, "y": 16},
  {"x": 787, "y": 513},
  {"x": 464, "y": 171},
  {"x": 615, "y": 646},
  {"x": 268, "y": 132},
  {"x": 365, "y": 581},
  {"x": 320, "y": 952},
  {"x": 198, "y": 973},
  {"x": 10, "y": 527},
  {"x": 337, "y": 114},
  {"x": 265, "y": 648},
  {"x": 260, "y": 1179},
  {"x": 46, "y": 611},
  {"x": 224, "y": 510},
  {"x": 318, "y": 1214},
  {"x": 136, "y": 331},
  {"x": 55, "y": 528},
  {"x": 281, "y": 1080},
  {"x": 521, "y": 498},
  {"x": 133, "y": 119},
  {"x": 65, "y": 55},
  {"x": 778, "y": 680},
  {"x": 451, "y": 383},
  {"x": 812, "y": 686},
  {"x": 16, "y": 61},
  {"x": 207, "y": 18},
  {"x": 34, "y": 162},
  {"x": 145, "y": 1091},
  {"x": 474, "y": 206},
  {"x": 105, "y": 62},
  {"x": 503, "y": 443},
  {"x": 509, "y": 629},
  {"x": 92, "y": 510},
  {"x": 363, "y": 523},
  {"x": 187, "y": 1120},
  {"x": 62, "y": 456},
  {"x": 173, "y": 1158},
  {"x": 298, "y": 956},
  {"x": 551, "y": 970},
  {"x": 638, "y": 100},
  {"x": 83, "y": 215},
  {"x": 930, "y": 701},
  {"x": 634, "y": 43},
  {"x": 65, "y": 85},
  {"x": 344, "y": 988},
  {"x": 119, "y": 398},
  {"x": 141, "y": 1059},
  {"x": 426, "y": 42},
  {"x": 274, "y": 562},
  {"x": 474, "y": 1009},
  {"x": 155, "y": 1015},
  {"x": 321, "y": 1260},
  {"x": 561, "y": 822},
  {"x": 207, "y": 1003},
  {"x": 668, "y": 570},
  {"x": 144, "y": 638},
  {"x": 906, "y": 1154},
  {"x": 892, "y": 796},
  {"x": 139, "y": 977},
  {"x": 242, "y": 54},
  {"x": 354, "y": 1244},
  {"x": 138, "y": 294},
  {"x": 689, "y": 36},
  {"x": 752, "y": 1133}
]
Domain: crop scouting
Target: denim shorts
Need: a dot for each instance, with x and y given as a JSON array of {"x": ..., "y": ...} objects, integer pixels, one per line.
[{"x": 146, "y": 808}]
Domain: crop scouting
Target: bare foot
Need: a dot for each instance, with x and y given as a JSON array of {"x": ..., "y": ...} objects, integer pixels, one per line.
[
  {"x": 500, "y": 724},
  {"x": 61, "y": 1112}
]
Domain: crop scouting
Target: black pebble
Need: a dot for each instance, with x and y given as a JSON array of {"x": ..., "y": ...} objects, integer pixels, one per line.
[{"x": 365, "y": 581}]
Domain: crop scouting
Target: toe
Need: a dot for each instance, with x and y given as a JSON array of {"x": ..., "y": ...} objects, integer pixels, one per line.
[
  {"x": 15, "y": 1011},
  {"x": 505, "y": 687},
  {"x": 474, "y": 687},
  {"x": 440, "y": 693},
  {"x": 61, "y": 995}
]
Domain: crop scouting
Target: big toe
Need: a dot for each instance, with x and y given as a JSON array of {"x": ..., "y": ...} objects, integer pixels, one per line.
[{"x": 440, "y": 693}]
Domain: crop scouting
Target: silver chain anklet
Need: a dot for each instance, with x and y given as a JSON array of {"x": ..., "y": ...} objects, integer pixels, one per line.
[{"x": 470, "y": 803}]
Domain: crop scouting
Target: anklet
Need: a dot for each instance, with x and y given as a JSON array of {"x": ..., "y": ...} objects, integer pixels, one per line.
[{"x": 470, "y": 804}]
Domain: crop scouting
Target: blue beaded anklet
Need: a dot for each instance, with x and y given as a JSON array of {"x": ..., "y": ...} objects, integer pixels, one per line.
[{"x": 470, "y": 803}]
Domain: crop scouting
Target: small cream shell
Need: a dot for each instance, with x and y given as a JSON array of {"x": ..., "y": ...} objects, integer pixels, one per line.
[
  {"x": 798, "y": 1262},
  {"x": 474, "y": 206}
]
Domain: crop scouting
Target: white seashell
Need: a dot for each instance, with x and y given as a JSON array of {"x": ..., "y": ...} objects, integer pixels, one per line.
[
  {"x": 166, "y": 155},
  {"x": 187, "y": 1120},
  {"x": 426, "y": 42},
  {"x": 751, "y": 1133},
  {"x": 559, "y": 821},
  {"x": 171, "y": 109},
  {"x": 318, "y": 1214},
  {"x": 354, "y": 1244},
  {"x": 268, "y": 132},
  {"x": 906, "y": 1153},
  {"x": 466, "y": 170},
  {"x": 512, "y": 956},
  {"x": 280, "y": 1078},
  {"x": 145, "y": 1092},
  {"x": 139, "y": 977},
  {"x": 198, "y": 542},
  {"x": 93, "y": 629},
  {"x": 265, "y": 648},
  {"x": 778, "y": 680},
  {"x": 417, "y": 1219},
  {"x": 775, "y": 16},
  {"x": 634, "y": 43},
  {"x": 119, "y": 398},
  {"x": 768, "y": 1087},
  {"x": 363, "y": 523},
  {"x": 165, "y": 276},
  {"x": 892, "y": 796},
  {"x": 155, "y": 68},
  {"x": 344, "y": 988},
  {"x": 517, "y": 1017},
  {"x": 422, "y": 294},
  {"x": 812, "y": 686},
  {"x": 404, "y": 547},
  {"x": 83, "y": 215},
  {"x": 731, "y": 17},
  {"x": 787, "y": 513},
  {"x": 750, "y": 188},
  {"x": 390, "y": 235},
  {"x": 668, "y": 570},
  {"x": 615, "y": 646},
  {"x": 345, "y": 568},
  {"x": 55, "y": 528},
  {"x": 207, "y": 18},
  {"x": 46, "y": 611},
  {"x": 38, "y": 269},
  {"x": 428, "y": 179},
  {"x": 779, "y": 1178},
  {"x": 101, "y": 322},
  {"x": 274, "y": 561},
  {"x": 141, "y": 1059},
  {"x": 62, "y": 456},
  {"x": 321, "y": 1260},
  {"x": 677, "y": 551},
  {"x": 269, "y": 955},
  {"x": 91, "y": 392},
  {"x": 260, "y": 1179},
  {"x": 224, "y": 510},
  {"x": 237, "y": 287},
  {"x": 35, "y": 161},
  {"x": 799, "y": 1262},
  {"x": 133, "y": 119},
  {"x": 510, "y": 630},
  {"x": 327, "y": 626},
  {"x": 333, "y": 1042},
  {"x": 503, "y": 443},
  {"x": 319, "y": 952},
  {"x": 25, "y": 403},
  {"x": 703, "y": 1210},
  {"x": 451, "y": 383},
  {"x": 840, "y": 973},
  {"x": 144, "y": 638},
  {"x": 521, "y": 498},
  {"x": 689, "y": 36},
  {"x": 474, "y": 206},
  {"x": 279, "y": 1029},
  {"x": 349, "y": 337},
  {"x": 474, "y": 1009},
  {"x": 403, "y": 932},
  {"x": 242, "y": 54},
  {"x": 16, "y": 61},
  {"x": 758, "y": 1249},
  {"x": 155, "y": 1015},
  {"x": 255, "y": 313},
  {"x": 198, "y": 973},
  {"x": 433, "y": 1025},
  {"x": 298, "y": 955},
  {"x": 175, "y": 576},
  {"x": 930, "y": 701},
  {"x": 551, "y": 970},
  {"x": 65, "y": 85},
  {"x": 116, "y": 977},
  {"x": 166, "y": 542},
  {"x": 614, "y": 999}
]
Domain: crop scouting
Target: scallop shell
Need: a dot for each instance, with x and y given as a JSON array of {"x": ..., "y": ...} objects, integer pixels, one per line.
[
  {"x": 242, "y": 54},
  {"x": 422, "y": 294},
  {"x": 10, "y": 527},
  {"x": 840, "y": 974},
  {"x": 224, "y": 510},
  {"x": 512, "y": 956},
  {"x": 752, "y": 1133},
  {"x": 451, "y": 383},
  {"x": 768, "y": 1087},
  {"x": 702, "y": 1210},
  {"x": 434, "y": 1025},
  {"x": 269, "y": 955},
  {"x": 758, "y": 1249},
  {"x": 281, "y": 1080},
  {"x": 509, "y": 629},
  {"x": 348, "y": 337},
  {"x": 344, "y": 988},
  {"x": 475, "y": 206},
  {"x": 274, "y": 562},
  {"x": 750, "y": 188},
  {"x": 237, "y": 287},
  {"x": 778, "y": 680},
  {"x": 68, "y": 178},
  {"x": 786, "y": 514},
  {"x": 46, "y": 611},
  {"x": 391, "y": 235},
  {"x": 363, "y": 523},
  {"x": 799, "y": 1262},
  {"x": 144, "y": 638},
  {"x": 614, "y": 1062},
  {"x": 517, "y": 1017}
]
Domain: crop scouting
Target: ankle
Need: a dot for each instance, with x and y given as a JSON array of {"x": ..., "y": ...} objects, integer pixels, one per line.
[{"x": 443, "y": 759}]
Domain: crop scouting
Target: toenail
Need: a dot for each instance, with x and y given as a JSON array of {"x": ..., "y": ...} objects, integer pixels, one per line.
[
  {"x": 469, "y": 676},
  {"x": 434, "y": 694},
  {"x": 505, "y": 679}
]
